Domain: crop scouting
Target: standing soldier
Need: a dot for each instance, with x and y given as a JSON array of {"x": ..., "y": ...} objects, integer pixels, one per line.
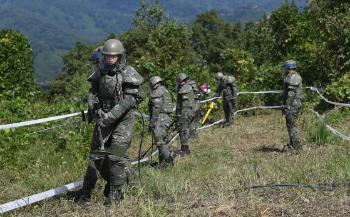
[
  {"x": 226, "y": 84},
  {"x": 115, "y": 92},
  {"x": 196, "y": 109},
  {"x": 184, "y": 111},
  {"x": 293, "y": 94},
  {"x": 160, "y": 107}
]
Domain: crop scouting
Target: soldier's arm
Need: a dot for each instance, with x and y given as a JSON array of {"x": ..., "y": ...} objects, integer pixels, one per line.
[{"x": 133, "y": 95}]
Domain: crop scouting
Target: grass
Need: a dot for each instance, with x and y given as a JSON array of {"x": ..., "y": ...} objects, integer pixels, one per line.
[{"x": 212, "y": 181}]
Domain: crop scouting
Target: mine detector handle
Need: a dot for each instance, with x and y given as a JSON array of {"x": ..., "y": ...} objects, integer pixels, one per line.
[{"x": 211, "y": 107}]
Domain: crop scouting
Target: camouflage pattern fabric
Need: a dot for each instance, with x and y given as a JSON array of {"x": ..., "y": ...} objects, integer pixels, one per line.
[{"x": 293, "y": 94}]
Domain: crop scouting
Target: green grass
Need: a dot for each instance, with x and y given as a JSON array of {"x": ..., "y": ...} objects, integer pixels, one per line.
[{"x": 212, "y": 181}]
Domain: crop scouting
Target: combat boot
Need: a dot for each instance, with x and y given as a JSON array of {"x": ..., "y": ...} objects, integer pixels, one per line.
[
  {"x": 165, "y": 163},
  {"x": 115, "y": 196},
  {"x": 82, "y": 195},
  {"x": 184, "y": 150}
]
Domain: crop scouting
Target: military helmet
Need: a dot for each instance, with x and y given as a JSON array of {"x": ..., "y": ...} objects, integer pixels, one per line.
[
  {"x": 113, "y": 47},
  {"x": 155, "y": 80},
  {"x": 181, "y": 77},
  {"x": 219, "y": 76},
  {"x": 290, "y": 64}
]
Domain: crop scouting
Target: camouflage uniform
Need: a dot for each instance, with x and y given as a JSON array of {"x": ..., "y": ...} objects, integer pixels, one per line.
[
  {"x": 184, "y": 113},
  {"x": 160, "y": 107},
  {"x": 227, "y": 86},
  {"x": 293, "y": 93},
  {"x": 196, "y": 109},
  {"x": 115, "y": 92}
]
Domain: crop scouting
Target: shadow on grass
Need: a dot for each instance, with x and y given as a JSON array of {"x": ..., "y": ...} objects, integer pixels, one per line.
[{"x": 267, "y": 149}]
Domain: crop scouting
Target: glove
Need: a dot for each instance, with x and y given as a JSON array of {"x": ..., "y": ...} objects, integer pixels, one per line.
[{"x": 102, "y": 121}]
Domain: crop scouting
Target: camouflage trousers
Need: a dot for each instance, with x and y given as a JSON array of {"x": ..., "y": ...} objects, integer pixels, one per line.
[
  {"x": 228, "y": 106},
  {"x": 291, "y": 115},
  {"x": 160, "y": 135},
  {"x": 186, "y": 120},
  {"x": 110, "y": 168},
  {"x": 113, "y": 166},
  {"x": 195, "y": 124}
]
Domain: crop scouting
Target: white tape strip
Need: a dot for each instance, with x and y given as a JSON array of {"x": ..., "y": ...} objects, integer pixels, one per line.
[
  {"x": 53, "y": 192},
  {"x": 258, "y": 107},
  {"x": 325, "y": 99},
  {"x": 334, "y": 131},
  {"x": 38, "y": 197},
  {"x": 38, "y": 121},
  {"x": 260, "y": 92},
  {"x": 242, "y": 93}
]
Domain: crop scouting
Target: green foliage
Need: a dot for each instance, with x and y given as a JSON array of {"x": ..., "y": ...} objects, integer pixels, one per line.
[
  {"x": 212, "y": 35},
  {"x": 158, "y": 45},
  {"x": 339, "y": 90},
  {"x": 320, "y": 135},
  {"x": 16, "y": 65}
]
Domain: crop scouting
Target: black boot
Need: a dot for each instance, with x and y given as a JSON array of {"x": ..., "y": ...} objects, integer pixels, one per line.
[
  {"x": 82, "y": 195},
  {"x": 115, "y": 196},
  {"x": 165, "y": 162},
  {"x": 185, "y": 150}
]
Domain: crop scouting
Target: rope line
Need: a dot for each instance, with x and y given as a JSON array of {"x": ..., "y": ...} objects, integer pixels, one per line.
[{"x": 331, "y": 129}]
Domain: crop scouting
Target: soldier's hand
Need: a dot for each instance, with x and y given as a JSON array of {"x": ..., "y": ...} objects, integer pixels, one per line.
[{"x": 103, "y": 119}]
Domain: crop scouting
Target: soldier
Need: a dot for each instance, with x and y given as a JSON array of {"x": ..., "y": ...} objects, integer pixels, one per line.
[
  {"x": 115, "y": 92},
  {"x": 160, "y": 108},
  {"x": 196, "y": 109},
  {"x": 293, "y": 94},
  {"x": 204, "y": 90},
  {"x": 226, "y": 84},
  {"x": 184, "y": 111}
]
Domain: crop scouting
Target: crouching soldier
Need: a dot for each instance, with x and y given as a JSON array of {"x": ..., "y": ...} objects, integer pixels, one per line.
[
  {"x": 115, "y": 92},
  {"x": 160, "y": 108}
]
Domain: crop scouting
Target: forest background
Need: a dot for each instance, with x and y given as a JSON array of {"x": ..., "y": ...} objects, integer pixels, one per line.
[{"x": 317, "y": 37}]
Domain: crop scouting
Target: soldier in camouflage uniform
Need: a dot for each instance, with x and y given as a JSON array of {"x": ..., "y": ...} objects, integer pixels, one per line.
[
  {"x": 185, "y": 104},
  {"x": 196, "y": 109},
  {"x": 293, "y": 94},
  {"x": 160, "y": 108},
  {"x": 115, "y": 92},
  {"x": 226, "y": 84}
]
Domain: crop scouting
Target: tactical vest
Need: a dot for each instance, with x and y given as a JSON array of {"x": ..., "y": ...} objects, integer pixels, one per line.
[
  {"x": 186, "y": 97},
  {"x": 293, "y": 86},
  {"x": 161, "y": 101}
]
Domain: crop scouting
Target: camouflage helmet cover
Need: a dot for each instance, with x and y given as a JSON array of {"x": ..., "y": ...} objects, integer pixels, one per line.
[
  {"x": 219, "y": 75},
  {"x": 181, "y": 77},
  {"x": 113, "y": 47},
  {"x": 155, "y": 80}
]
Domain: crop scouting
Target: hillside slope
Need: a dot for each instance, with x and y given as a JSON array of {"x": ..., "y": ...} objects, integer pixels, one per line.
[
  {"x": 53, "y": 27},
  {"x": 213, "y": 181}
]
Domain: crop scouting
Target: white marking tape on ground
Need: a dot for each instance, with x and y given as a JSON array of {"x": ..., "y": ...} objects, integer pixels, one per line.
[
  {"x": 53, "y": 192},
  {"x": 38, "y": 197},
  {"x": 325, "y": 99},
  {"x": 334, "y": 131}
]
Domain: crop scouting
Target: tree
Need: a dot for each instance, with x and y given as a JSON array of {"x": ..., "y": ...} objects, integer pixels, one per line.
[
  {"x": 16, "y": 65},
  {"x": 212, "y": 35}
]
